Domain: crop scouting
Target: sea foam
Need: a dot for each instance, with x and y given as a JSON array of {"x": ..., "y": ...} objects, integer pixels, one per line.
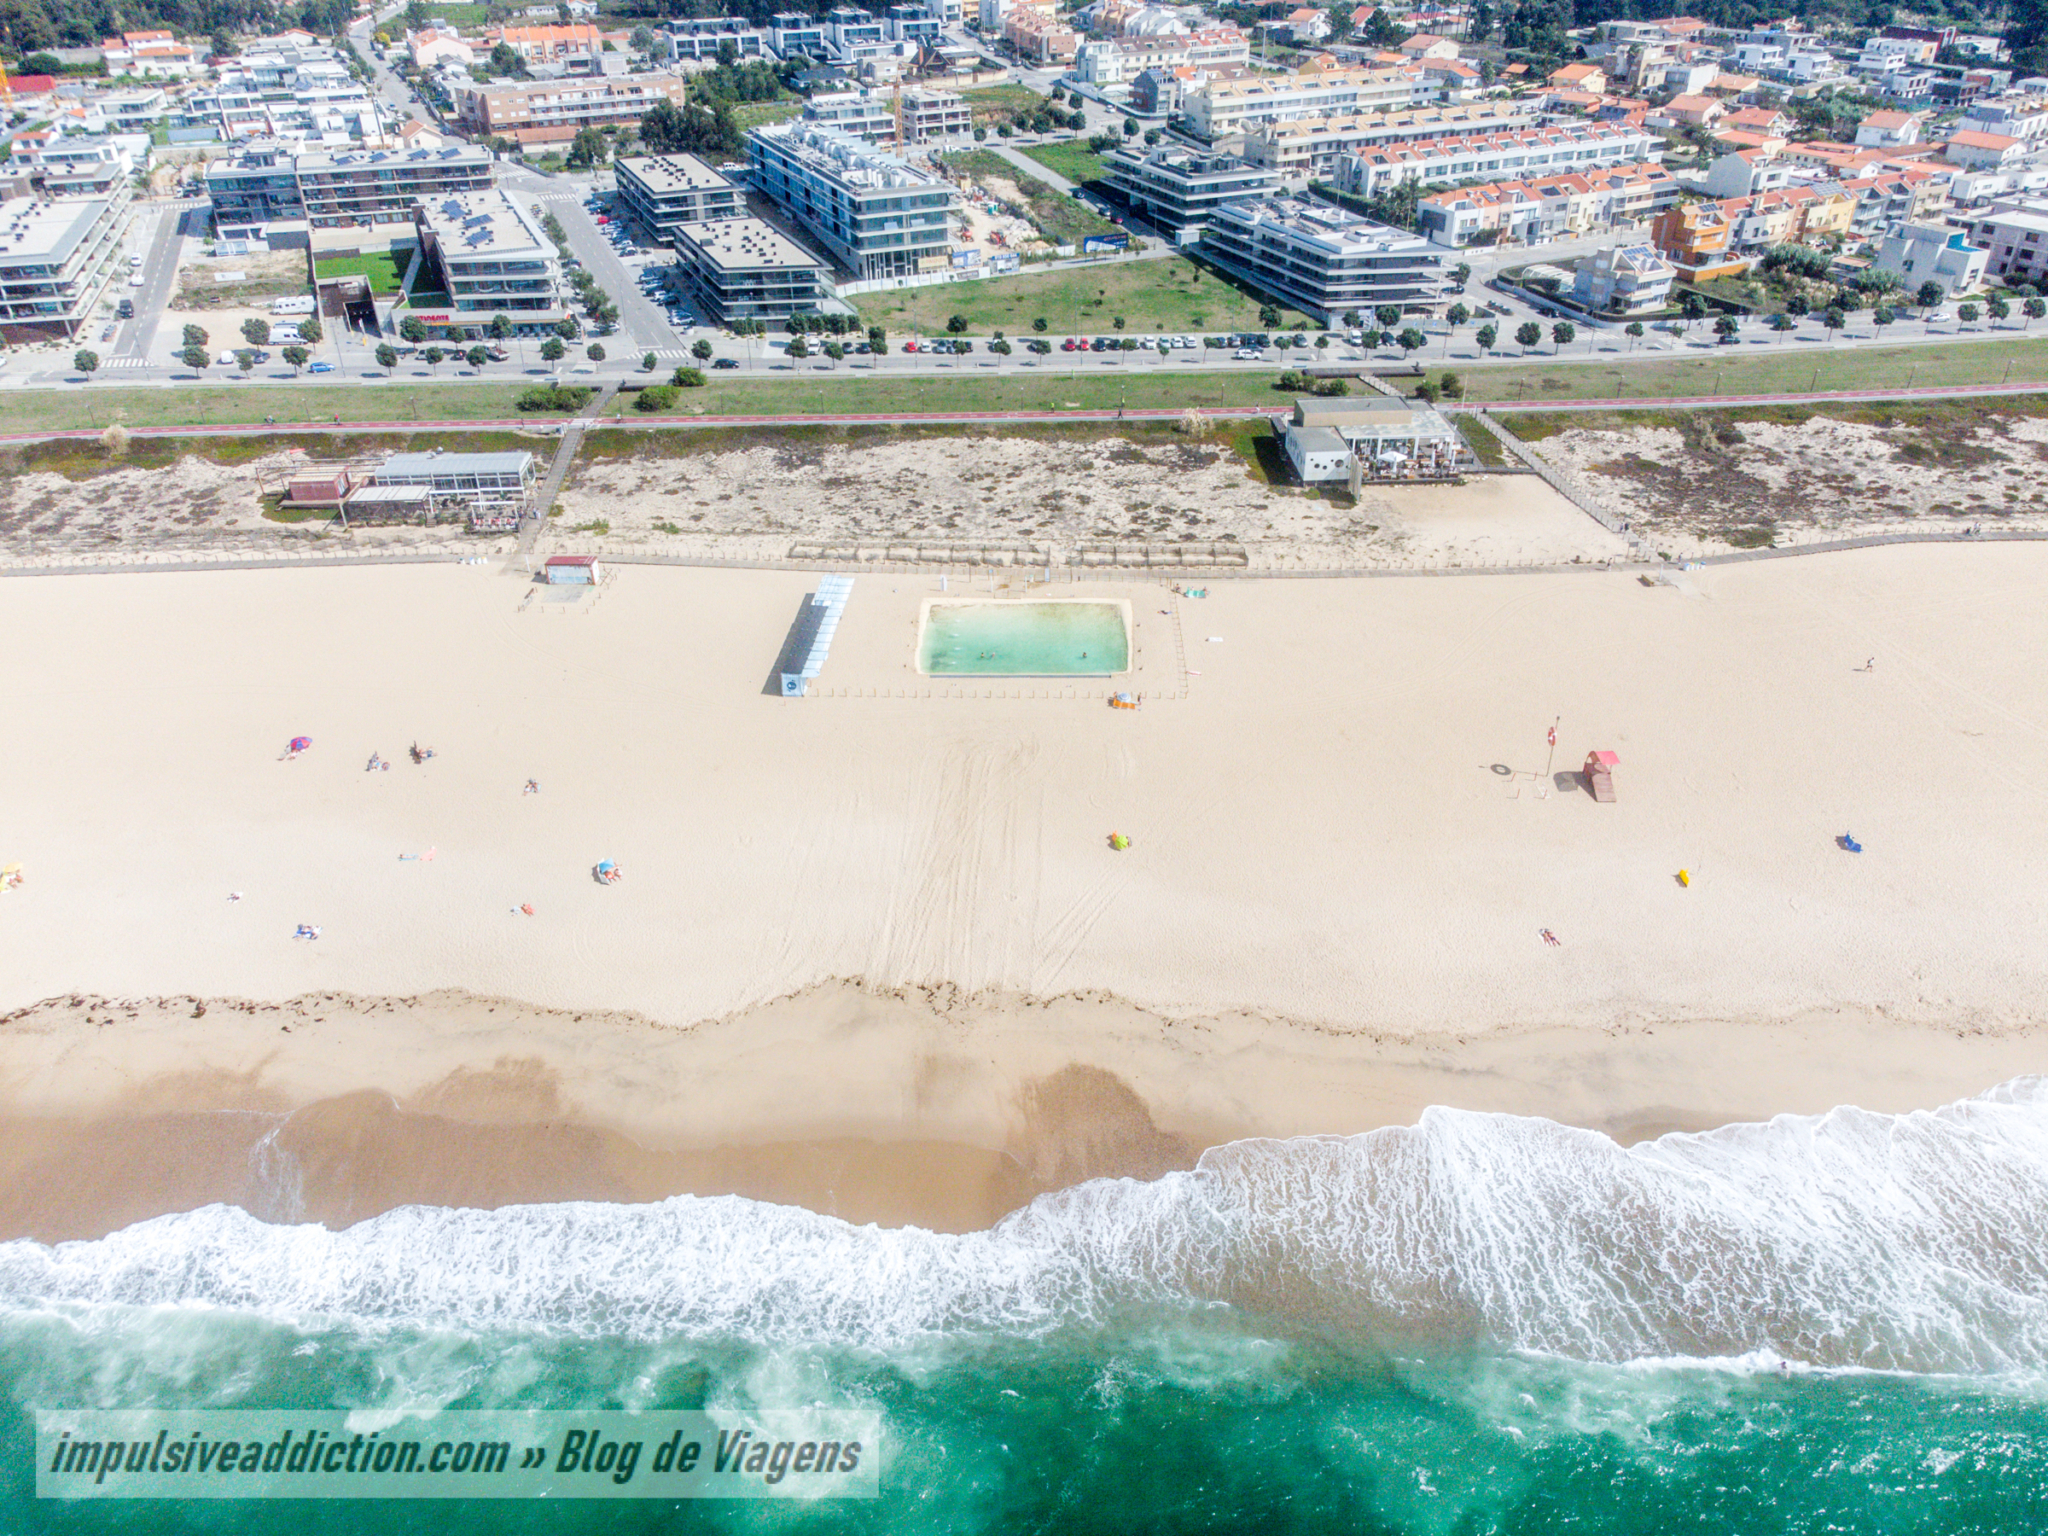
[{"x": 1914, "y": 1242}]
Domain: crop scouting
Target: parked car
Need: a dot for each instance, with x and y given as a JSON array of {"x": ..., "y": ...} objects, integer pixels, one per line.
[
  {"x": 725, "y": 362},
  {"x": 126, "y": 310},
  {"x": 1247, "y": 354},
  {"x": 135, "y": 278},
  {"x": 320, "y": 368}
]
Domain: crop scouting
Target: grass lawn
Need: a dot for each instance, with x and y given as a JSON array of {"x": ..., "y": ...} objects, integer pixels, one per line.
[
  {"x": 461, "y": 17},
  {"x": 1482, "y": 441},
  {"x": 1057, "y": 216},
  {"x": 1073, "y": 160},
  {"x": 203, "y": 405},
  {"x": 1813, "y": 367},
  {"x": 1170, "y": 294},
  {"x": 1002, "y": 103},
  {"x": 752, "y": 114},
  {"x": 384, "y": 269},
  {"x": 1141, "y": 388}
]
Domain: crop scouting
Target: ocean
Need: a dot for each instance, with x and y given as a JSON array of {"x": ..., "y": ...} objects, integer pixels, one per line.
[{"x": 1479, "y": 1324}]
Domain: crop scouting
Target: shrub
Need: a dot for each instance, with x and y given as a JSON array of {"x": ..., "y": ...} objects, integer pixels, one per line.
[
  {"x": 687, "y": 378},
  {"x": 1329, "y": 387},
  {"x": 658, "y": 397},
  {"x": 554, "y": 397}
]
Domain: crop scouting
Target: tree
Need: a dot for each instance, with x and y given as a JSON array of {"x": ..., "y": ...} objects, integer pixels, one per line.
[
  {"x": 1997, "y": 307},
  {"x": 1968, "y": 313},
  {"x": 649, "y": 363},
  {"x": 836, "y": 350},
  {"x": 256, "y": 332},
  {"x": 1452, "y": 387},
  {"x": 1726, "y": 326},
  {"x": 309, "y": 330},
  {"x": 1130, "y": 127},
  {"x": 413, "y": 329},
  {"x": 642, "y": 40},
  {"x": 1323, "y": 342},
  {"x": 956, "y": 325},
  {"x": 195, "y": 358},
  {"x": 567, "y": 328},
  {"x": 87, "y": 363},
  {"x": 1834, "y": 319},
  {"x": 878, "y": 338},
  {"x": 1486, "y": 336},
  {"x": 1783, "y": 323},
  {"x": 590, "y": 147},
  {"x": 1884, "y": 314},
  {"x": 1371, "y": 339},
  {"x": 688, "y": 378},
  {"x": 1929, "y": 295},
  {"x": 799, "y": 349},
  {"x": 552, "y": 350},
  {"x": 1119, "y": 322},
  {"x": 387, "y": 356},
  {"x": 504, "y": 60},
  {"x": 476, "y": 357},
  {"x": 2034, "y": 309},
  {"x": 1038, "y": 325},
  {"x": 1411, "y": 339},
  {"x": 501, "y": 326},
  {"x": 595, "y": 352},
  {"x": 1388, "y": 315},
  {"x": 1692, "y": 306},
  {"x": 1528, "y": 334},
  {"x": 222, "y": 44},
  {"x": 246, "y": 361},
  {"x": 1634, "y": 331},
  {"x": 1462, "y": 273},
  {"x": 1796, "y": 305},
  {"x": 433, "y": 357},
  {"x": 298, "y": 357},
  {"x": 656, "y": 397},
  {"x": 1457, "y": 315},
  {"x": 1481, "y": 22},
  {"x": 195, "y": 336},
  {"x": 1564, "y": 333},
  {"x": 1269, "y": 316},
  {"x": 700, "y": 349}
]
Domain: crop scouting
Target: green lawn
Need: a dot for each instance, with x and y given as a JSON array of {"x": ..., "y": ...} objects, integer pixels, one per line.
[
  {"x": 1073, "y": 160},
  {"x": 1002, "y": 103},
  {"x": 202, "y": 405},
  {"x": 384, "y": 269},
  {"x": 752, "y": 114},
  {"x": 1812, "y": 368},
  {"x": 1482, "y": 441},
  {"x": 1170, "y": 294},
  {"x": 461, "y": 17},
  {"x": 1135, "y": 385}
]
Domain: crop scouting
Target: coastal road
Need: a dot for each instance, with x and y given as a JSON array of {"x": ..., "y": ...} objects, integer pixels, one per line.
[
  {"x": 159, "y": 276},
  {"x": 970, "y": 418}
]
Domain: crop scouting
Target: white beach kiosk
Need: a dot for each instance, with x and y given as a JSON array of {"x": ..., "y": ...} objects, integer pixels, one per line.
[{"x": 816, "y": 625}]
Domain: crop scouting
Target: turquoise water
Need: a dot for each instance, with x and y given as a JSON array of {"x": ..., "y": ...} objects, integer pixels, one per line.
[
  {"x": 1024, "y": 639},
  {"x": 1480, "y": 1324}
]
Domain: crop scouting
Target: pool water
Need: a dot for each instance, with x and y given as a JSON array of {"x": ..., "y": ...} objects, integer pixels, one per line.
[{"x": 995, "y": 638}]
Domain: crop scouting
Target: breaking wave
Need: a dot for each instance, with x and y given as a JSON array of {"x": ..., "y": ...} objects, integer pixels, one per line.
[{"x": 1914, "y": 1242}]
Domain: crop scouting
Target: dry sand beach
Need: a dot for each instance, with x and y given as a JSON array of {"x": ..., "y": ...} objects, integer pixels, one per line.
[{"x": 889, "y": 925}]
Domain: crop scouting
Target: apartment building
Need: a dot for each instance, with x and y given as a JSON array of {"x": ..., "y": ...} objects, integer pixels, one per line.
[
  {"x": 551, "y": 111},
  {"x": 876, "y": 215},
  {"x": 1697, "y": 239},
  {"x": 1226, "y": 107},
  {"x": 1040, "y": 35},
  {"x": 2021, "y": 117},
  {"x": 1889, "y": 197},
  {"x": 575, "y": 49},
  {"x": 319, "y": 110},
  {"x": 1496, "y": 156},
  {"x": 1547, "y": 207},
  {"x": 369, "y": 187},
  {"x": 664, "y": 192},
  {"x": 2014, "y": 237},
  {"x": 58, "y": 256},
  {"x": 253, "y": 188},
  {"x": 924, "y": 113},
  {"x": 1314, "y": 146},
  {"x": 706, "y": 37},
  {"x": 1321, "y": 260},
  {"x": 1116, "y": 61},
  {"x": 85, "y": 166},
  {"x": 1178, "y": 189},
  {"x": 743, "y": 269},
  {"x": 793, "y": 33},
  {"x": 1623, "y": 280},
  {"x": 1789, "y": 216},
  {"x": 492, "y": 258}
]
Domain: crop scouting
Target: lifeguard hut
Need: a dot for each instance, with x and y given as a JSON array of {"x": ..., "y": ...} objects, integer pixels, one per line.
[{"x": 1600, "y": 775}]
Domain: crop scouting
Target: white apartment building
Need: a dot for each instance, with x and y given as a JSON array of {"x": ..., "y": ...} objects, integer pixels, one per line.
[
  {"x": 493, "y": 259},
  {"x": 1321, "y": 260},
  {"x": 2024, "y": 118},
  {"x": 1496, "y": 156},
  {"x": 1922, "y": 253},
  {"x": 1225, "y": 107},
  {"x": 1115, "y": 61},
  {"x": 1313, "y": 147},
  {"x": 2014, "y": 237},
  {"x": 57, "y": 257}
]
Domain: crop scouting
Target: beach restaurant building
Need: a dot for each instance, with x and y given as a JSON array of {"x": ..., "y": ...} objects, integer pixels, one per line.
[{"x": 1382, "y": 436}]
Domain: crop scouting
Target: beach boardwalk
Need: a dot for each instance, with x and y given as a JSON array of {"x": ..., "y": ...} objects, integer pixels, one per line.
[{"x": 572, "y": 571}]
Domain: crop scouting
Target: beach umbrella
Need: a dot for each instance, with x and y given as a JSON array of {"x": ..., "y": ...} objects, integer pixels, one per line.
[{"x": 301, "y": 743}]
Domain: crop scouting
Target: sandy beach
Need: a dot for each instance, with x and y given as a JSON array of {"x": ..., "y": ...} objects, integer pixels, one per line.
[{"x": 889, "y": 923}]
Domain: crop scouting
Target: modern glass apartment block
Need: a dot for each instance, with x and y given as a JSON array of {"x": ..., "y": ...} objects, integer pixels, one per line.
[
  {"x": 1179, "y": 188},
  {"x": 743, "y": 269},
  {"x": 58, "y": 256},
  {"x": 493, "y": 259},
  {"x": 875, "y": 215},
  {"x": 254, "y": 186},
  {"x": 1322, "y": 260},
  {"x": 381, "y": 186},
  {"x": 663, "y": 192}
]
